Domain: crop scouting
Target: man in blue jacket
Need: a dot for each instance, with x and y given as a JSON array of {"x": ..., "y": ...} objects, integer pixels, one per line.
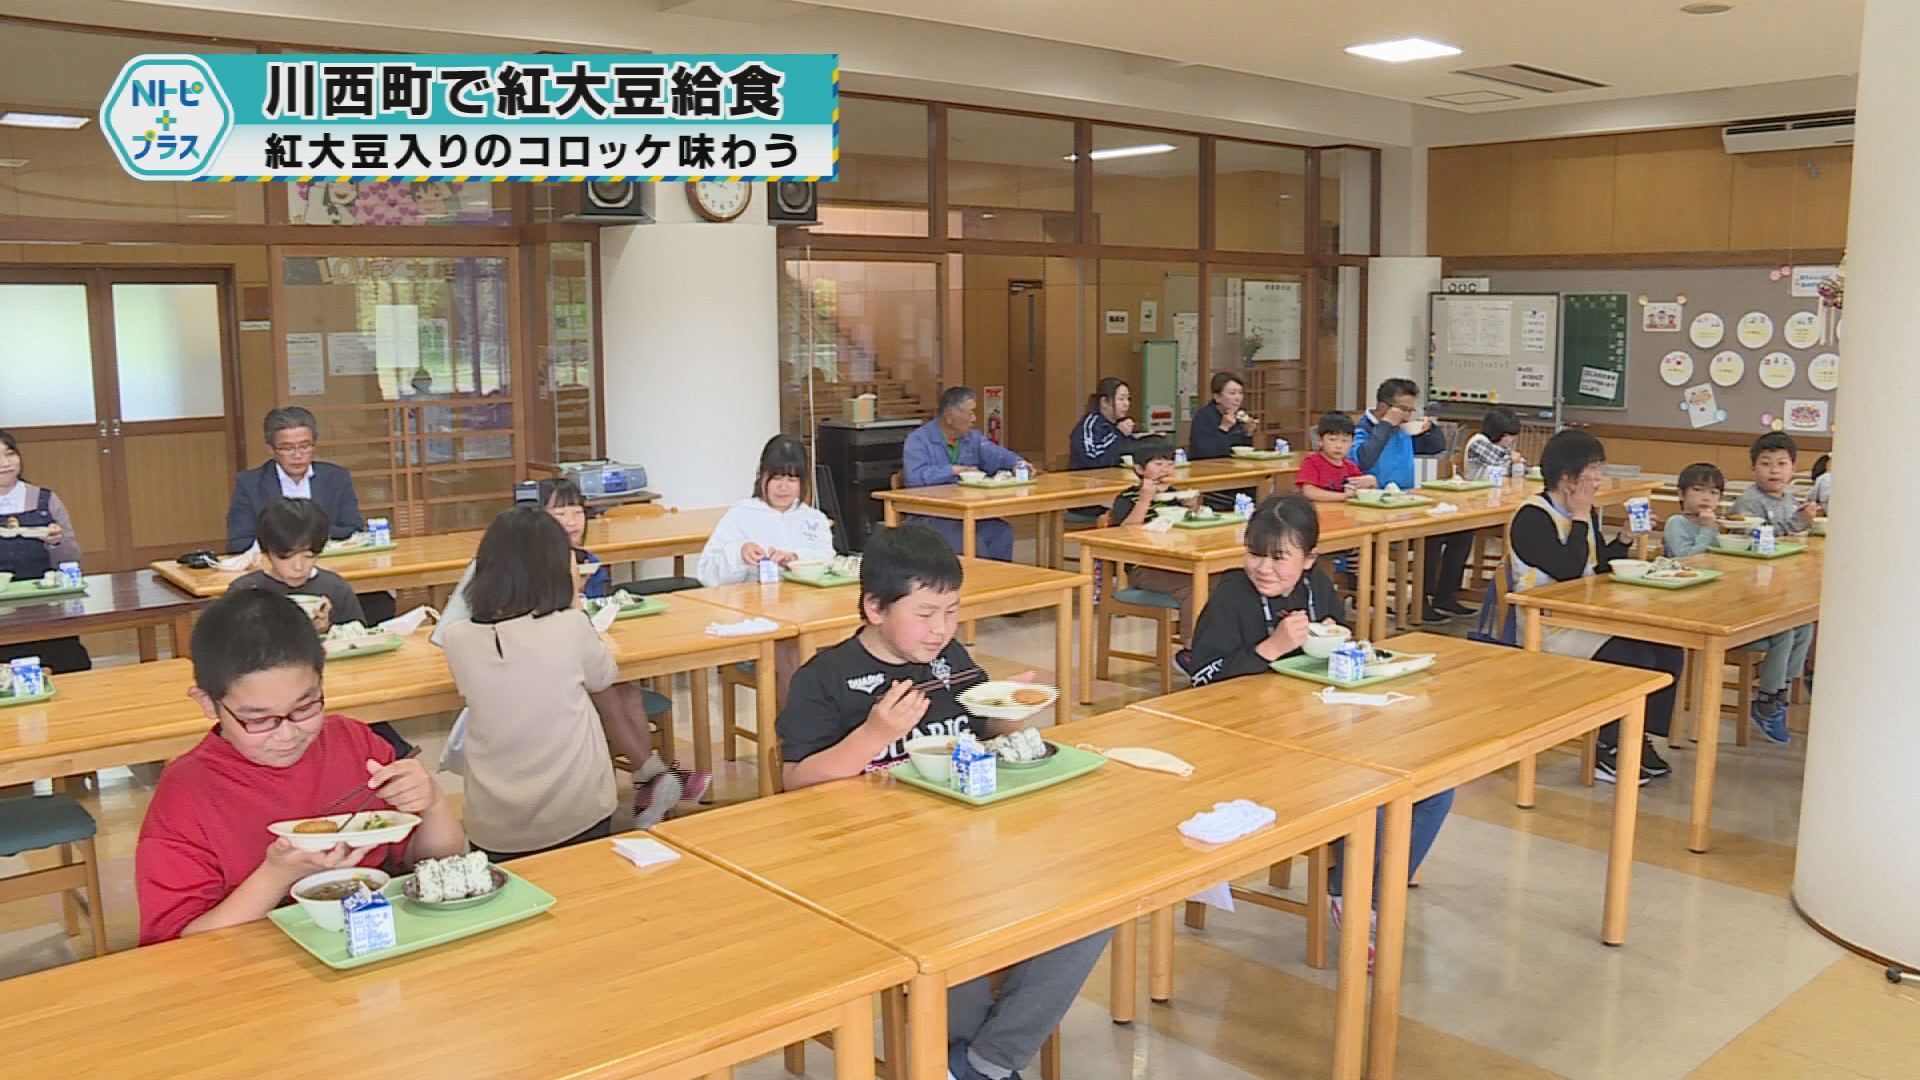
[
  {"x": 1386, "y": 453},
  {"x": 935, "y": 452}
]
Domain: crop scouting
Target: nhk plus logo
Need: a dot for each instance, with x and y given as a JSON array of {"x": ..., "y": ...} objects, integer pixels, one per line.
[{"x": 166, "y": 117}]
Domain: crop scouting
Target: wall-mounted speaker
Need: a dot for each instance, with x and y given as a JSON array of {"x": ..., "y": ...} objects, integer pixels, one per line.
[
  {"x": 793, "y": 202},
  {"x": 611, "y": 201}
]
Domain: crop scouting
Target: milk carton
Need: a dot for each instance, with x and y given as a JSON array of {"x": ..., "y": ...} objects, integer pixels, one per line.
[
  {"x": 1179, "y": 457},
  {"x": 976, "y": 769},
  {"x": 1763, "y": 540},
  {"x": 29, "y": 678},
  {"x": 1348, "y": 664},
  {"x": 1640, "y": 515},
  {"x": 769, "y": 572},
  {"x": 1243, "y": 504},
  {"x": 379, "y": 532},
  {"x": 70, "y": 576},
  {"x": 1281, "y": 446},
  {"x": 369, "y": 922},
  {"x": 1023, "y": 472}
]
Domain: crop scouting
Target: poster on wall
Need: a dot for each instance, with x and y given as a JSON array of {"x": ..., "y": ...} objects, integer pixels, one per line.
[
  {"x": 306, "y": 365},
  {"x": 1660, "y": 318},
  {"x": 1776, "y": 370},
  {"x": 1807, "y": 417},
  {"x": 1702, "y": 408},
  {"x": 1755, "y": 329},
  {"x": 1186, "y": 343},
  {"x": 1802, "y": 329},
  {"x": 1727, "y": 368},
  {"x": 1599, "y": 382},
  {"x": 391, "y": 202},
  {"x": 1533, "y": 330},
  {"x": 1270, "y": 317},
  {"x": 1149, "y": 316},
  {"x": 993, "y": 407},
  {"x": 1530, "y": 378},
  {"x": 1676, "y": 367},
  {"x": 1117, "y": 322},
  {"x": 1707, "y": 330},
  {"x": 1823, "y": 372},
  {"x": 1807, "y": 279},
  {"x": 350, "y": 352}
]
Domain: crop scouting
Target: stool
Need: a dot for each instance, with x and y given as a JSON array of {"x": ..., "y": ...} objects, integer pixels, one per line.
[
  {"x": 1162, "y": 609},
  {"x": 1746, "y": 668},
  {"x": 32, "y": 822},
  {"x": 745, "y": 676}
]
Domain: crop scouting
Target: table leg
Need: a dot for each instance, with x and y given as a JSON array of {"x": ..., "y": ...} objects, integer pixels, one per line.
[
  {"x": 149, "y": 639},
  {"x": 804, "y": 647},
  {"x": 1063, "y": 656},
  {"x": 853, "y": 1040},
  {"x": 1057, "y": 558},
  {"x": 1390, "y": 941},
  {"x": 1530, "y": 635},
  {"x": 1160, "y": 955},
  {"x": 1713, "y": 659},
  {"x": 892, "y": 513},
  {"x": 1123, "y": 959},
  {"x": 697, "y": 694},
  {"x": 927, "y": 1028},
  {"x": 1202, "y": 585},
  {"x": 182, "y": 635},
  {"x": 1350, "y": 999},
  {"x": 765, "y": 686},
  {"x": 1382, "y": 573},
  {"x": 966, "y": 551},
  {"x": 1417, "y": 603},
  {"x": 1085, "y": 588},
  {"x": 1626, "y": 804},
  {"x": 1363, "y": 587}
]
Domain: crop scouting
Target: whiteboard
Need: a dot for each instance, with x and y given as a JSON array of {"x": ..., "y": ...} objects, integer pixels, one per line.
[{"x": 1494, "y": 348}]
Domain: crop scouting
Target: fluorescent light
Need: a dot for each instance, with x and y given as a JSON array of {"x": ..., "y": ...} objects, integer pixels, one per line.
[
  {"x": 1399, "y": 52},
  {"x": 1143, "y": 150},
  {"x": 12, "y": 162},
  {"x": 209, "y": 217},
  {"x": 58, "y": 121}
]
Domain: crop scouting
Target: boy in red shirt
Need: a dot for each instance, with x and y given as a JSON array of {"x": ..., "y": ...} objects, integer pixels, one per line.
[
  {"x": 205, "y": 858},
  {"x": 1328, "y": 476}
]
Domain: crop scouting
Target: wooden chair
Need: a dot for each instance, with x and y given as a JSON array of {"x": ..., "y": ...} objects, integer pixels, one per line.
[
  {"x": 893, "y": 1041},
  {"x": 33, "y": 822},
  {"x": 1280, "y": 876},
  {"x": 740, "y": 676},
  {"x": 1122, "y": 601}
]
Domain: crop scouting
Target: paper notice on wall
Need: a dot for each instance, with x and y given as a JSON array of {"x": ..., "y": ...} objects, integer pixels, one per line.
[
  {"x": 1480, "y": 327},
  {"x": 396, "y": 336},
  {"x": 1807, "y": 417},
  {"x": 1117, "y": 321},
  {"x": 1702, "y": 408},
  {"x": 1530, "y": 377},
  {"x": 433, "y": 344},
  {"x": 1186, "y": 350},
  {"x": 1533, "y": 331},
  {"x": 1149, "y": 316},
  {"x": 306, "y": 365},
  {"x": 351, "y": 352},
  {"x": 1271, "y": 309},
  {"x": 1599, "y": 382}
]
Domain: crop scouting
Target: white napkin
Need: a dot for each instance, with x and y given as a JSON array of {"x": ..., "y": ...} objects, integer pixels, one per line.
[
  {"x": 1441, "y": 508},
  {"x": 1334, "y": 696},
  {"x": 644, "y": 851},
  {"x": 1220, "y": 896},
  {"x": 406, "y": 624},
  {"x": 241, "y": 563},
  {"x": 1227, "y": 821},
  {"x": 605, "y": 617},
  {"x": 453, "y": 756},
  {"x": 743, "y": 628},
  {"x": 1160, "y": 525}
]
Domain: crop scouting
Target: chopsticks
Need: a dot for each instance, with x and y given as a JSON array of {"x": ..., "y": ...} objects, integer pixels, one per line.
[
  {"x": 972, "y": 674},
  {"x": 367, "y": 795}
]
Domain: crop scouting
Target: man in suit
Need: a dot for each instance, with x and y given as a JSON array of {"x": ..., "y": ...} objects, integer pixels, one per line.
[{"x": 292, "y": 434}]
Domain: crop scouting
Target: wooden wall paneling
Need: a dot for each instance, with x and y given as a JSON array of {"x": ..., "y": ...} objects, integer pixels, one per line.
[
  {"x": 177, "y": 489},
  {"x": 1820, "y": 202},
  {"x": 1073, "y": 288},
  {"x": 1468, "y": 194},
  {"x": 1761, "y": 201},
  {"x": 1561, "y": 195},
  {"x": 1672, "y": 191}
]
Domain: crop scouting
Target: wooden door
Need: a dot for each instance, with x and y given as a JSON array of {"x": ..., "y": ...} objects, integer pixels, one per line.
[{"x": 1026, "y": 364}]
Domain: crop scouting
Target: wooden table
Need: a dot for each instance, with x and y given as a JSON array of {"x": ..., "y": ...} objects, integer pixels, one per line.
[
  {"x": 1269, "y": 476},
  {"x": 1050, "y": 495},
  {"x": 573, "y": 992},
  {"x": 137, "y": 600},
  {"x": 1202, "y": 553},
  {"x": 966, "y": 891},
  {"x": 1479, "y": 709},
  {"x": 440, "y": 558},
  {"x": 1484, "y": 509},
  {"x": 1756, "y": 598},
  {"x": 125, "y": 715},
  {"x": 825, "y": 617}
]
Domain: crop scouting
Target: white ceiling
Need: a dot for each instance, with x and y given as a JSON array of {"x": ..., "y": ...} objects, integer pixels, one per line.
[{"x": 1637, "y": 47}]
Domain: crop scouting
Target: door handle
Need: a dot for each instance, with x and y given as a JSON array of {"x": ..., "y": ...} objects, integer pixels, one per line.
[
  {"x": 116, "y": 428},
  {"x": 103, "y": 429}
]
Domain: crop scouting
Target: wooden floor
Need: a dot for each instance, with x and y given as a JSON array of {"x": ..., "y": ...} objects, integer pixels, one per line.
[{"x": 1504, "y": 976}]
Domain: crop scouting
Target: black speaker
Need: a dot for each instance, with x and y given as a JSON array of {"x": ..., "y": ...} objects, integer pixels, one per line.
[
  {"x": 793, "y": 202},
  {"x": 627, "y": 201}
]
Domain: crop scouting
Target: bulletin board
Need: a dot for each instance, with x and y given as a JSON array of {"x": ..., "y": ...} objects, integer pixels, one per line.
[
  {"x": 1494, "y": 348},
  {"x": 1664, "y": 365}
]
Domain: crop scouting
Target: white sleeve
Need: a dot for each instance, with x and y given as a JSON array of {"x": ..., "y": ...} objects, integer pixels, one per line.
[
  {"x": 720, "y": 559},
  {"x": 821, "y": 548}
]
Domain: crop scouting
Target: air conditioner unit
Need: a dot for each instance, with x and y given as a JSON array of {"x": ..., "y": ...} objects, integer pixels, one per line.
[{"x": 1788, "y": 133}]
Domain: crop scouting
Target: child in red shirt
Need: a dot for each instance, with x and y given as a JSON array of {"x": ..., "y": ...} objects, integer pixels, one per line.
[
  {"x": 1328, "y": 476},
  {"x": 205, "y": 858}
]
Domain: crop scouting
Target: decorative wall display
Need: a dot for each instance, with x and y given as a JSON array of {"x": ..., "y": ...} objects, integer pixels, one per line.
[
  {"x": 1755, "y": 329},
  {"x": 1117, "y": 321},
  {"x": 1823, "y": 372},
  {"x": 1702, "y": 409},
  {"x": 1727, "y": 368},
  {"x": 1676, "y": 367},
  {"x": 1660, "y": 318},
  {"x": 1707, "y": 330},
  {"x": 1802, "y": 329},
  {"x": 1776, "y": 370},
  {"x": 1808, "y": 417}
]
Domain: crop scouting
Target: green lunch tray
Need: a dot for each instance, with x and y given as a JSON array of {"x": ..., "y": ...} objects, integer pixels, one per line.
[
  {"x": 8, "y": 701},
  {"x": 651, "y": 605},
  {"x": 1661, "y": 583},
  {"x": 1213, "y": 522},
  {"x": 1458, "y": 485},
  {"x": 1314, "y": 669},
  {"x": 1781, "y": 549},
  {"x": 824, "y": 579},
  {"x": 1070, "y": 762},
  {"x": 1399, "y": 502},
  {"x": 992, "y": 483},
  {"x": 364, "y": 549},
  {"x": 17, "y": 591},
  {"x": 392, "y": 644},
  {"x": 416, "y": 928},
  {"x": 1260, "y": 455}
]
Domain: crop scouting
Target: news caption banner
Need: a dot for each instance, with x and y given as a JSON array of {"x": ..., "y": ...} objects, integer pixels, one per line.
[{"x": 497, "y": 117}]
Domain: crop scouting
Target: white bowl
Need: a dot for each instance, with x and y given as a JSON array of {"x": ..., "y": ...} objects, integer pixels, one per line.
[
  {"x": 1735, "y": 542},
  {"x": 1241, "y": 451},
  {"x": 1369, "y": 495},
  {"x": 5, "y": 579},
  {"x": 1126, "y": 460},
  {"x": 807, "y": 568},
  {"x": 308, "y": 604},
  {"x": 398, "y": 827},
  {"x": 1414, "y": 427},
  {"x": 932, "y": 756},
  {"x": 1631, "y": 569},
  {"x": 971, "y": 476},
  {"x": 1323, "y": 640},
  {"x": 327, "y": 914}
]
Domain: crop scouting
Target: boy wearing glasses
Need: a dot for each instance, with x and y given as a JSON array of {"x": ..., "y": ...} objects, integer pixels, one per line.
[{"x": 205, "y": 858}]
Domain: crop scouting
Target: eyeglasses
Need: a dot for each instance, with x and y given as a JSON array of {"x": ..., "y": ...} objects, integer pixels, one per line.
[
  {"x": 293, "y": 448},
  {"x": 261, "y": 725}
]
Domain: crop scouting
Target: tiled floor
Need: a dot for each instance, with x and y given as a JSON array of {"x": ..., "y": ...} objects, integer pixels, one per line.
[{"x": 1505, "y": 976}]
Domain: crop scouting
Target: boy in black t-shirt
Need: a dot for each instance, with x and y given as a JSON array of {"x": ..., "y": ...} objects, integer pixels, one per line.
[{"x": 852, "y": 708}]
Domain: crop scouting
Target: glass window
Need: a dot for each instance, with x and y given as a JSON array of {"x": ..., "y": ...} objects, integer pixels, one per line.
[
  {"x": 852, "y": 327},
  {"x": 47, "y": 332},
  {"x": 1146, "y": 188},
  {"x": 1259, "y": 197},
  {"x": 167, "y": 339},
  {"x": 1255, "y": 331},
  {"x": 882, "y": 189},
  {"x": 1346, "y": 201},
  {"x": 1009, "y": 177},
  {"x": 570, "y": 360}
]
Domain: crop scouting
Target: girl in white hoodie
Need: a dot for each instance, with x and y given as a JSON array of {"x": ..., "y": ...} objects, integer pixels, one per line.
[{"x": 776, "y": 523}]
